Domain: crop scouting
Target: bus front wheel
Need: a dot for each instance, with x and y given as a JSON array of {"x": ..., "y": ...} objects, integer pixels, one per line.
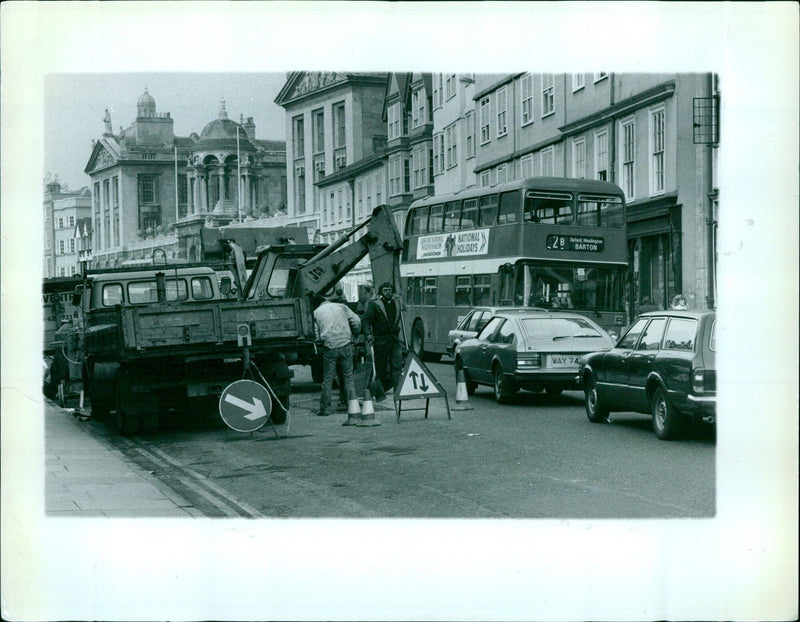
[{"x": 418, "y": 338}]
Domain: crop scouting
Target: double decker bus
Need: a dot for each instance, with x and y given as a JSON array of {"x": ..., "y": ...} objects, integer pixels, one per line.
[{"x": 544, "y": 242}]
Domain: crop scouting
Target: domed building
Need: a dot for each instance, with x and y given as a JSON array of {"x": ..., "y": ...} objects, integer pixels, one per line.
[{"x": 152, "y": 189}]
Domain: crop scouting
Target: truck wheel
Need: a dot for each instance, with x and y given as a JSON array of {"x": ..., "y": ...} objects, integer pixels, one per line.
[
  {"x": 316, "y": 371},
  {"x": 98, "y": 380},
  {"x": 667, "y": 421},
  {"x": 279, "y": 377},
  {"x": 127, "y": 423}
]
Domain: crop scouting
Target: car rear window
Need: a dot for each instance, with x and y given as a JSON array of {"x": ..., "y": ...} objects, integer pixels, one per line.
[
  {"x": 558, "y": 328},
  {"x": 680, "y": 334}
]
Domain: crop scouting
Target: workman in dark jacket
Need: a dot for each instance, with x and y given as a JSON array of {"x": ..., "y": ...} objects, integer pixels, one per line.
[{"x": 381, "y": 327}]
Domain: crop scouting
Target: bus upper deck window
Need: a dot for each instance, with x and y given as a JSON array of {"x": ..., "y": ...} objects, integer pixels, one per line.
[
  {"x": 436, "y": 219},
  {"x": 452, "y": 216},
  {"x": 548, "y": 207},
  {"x": 600, "y": 211},
  {"x": 509, "y": 207},
  {"x": 469, "y": 216},
  {"x": 419, "y": 220},
  {"x": 488, "y": 213}
]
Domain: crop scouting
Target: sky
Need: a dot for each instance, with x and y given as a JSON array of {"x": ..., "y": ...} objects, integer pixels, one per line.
[{"x": 75, "y": 104}]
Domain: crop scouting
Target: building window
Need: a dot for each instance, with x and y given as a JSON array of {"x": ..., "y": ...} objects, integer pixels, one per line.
[
  {"x": 548, "y": 157},
  {"x": 502, "y": 106},
  {"x": 600, "y": 75},
  {"x": 502, "y": 174},
  {"x": 451, "y": 145},
  {"x": 548, "y": 94},
  {"x": 485, "y": 121},
  {"x": 183, "y": 190},
  {"x": 628, "y": 136},
  {"x": 299, "y": 139},
  {"x": 419, "y": 109},
  {"x": 72, "y": 246},
  {"x": 116, "y": 228},
  {"x": 469, "y": 127},
  {"x": 360, "y": 192},
  {"x": 526, "y": 166},
  {"x": 526, "y": 96},
  {"x": 340, "y": 210},
  {"x": 106, "y": 195},
  {"x": 61, "y": 247},
  {"x": 486, "y": 178},
  {"x": 147, "y": 189},
  {"x": 300, "y": 189},
  {"x": 115, "y": 191},
  {"x": 657, "y": 151},
  {"x": 395, "y": 114},
  {"x": 438, "y": 153},
  {"x": 437, "y": 90},
  {"x": 318, "y": 123},
  {"x": 71, "y": 221},
  {"x": 601, "y": 155},
  {"x": 420, "y": 166},
  {"x": 578, "y": 81},
  {"x": 379, "y": 188},
  {"x": 450, "y": 85},
  {"x": 395, "y": 175},
  {"x": 579, "y": 158},
  {"x": 339, "y": 123}
]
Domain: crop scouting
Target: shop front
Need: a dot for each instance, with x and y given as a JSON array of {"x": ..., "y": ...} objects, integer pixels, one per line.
[{"x": 654, "y": 252}]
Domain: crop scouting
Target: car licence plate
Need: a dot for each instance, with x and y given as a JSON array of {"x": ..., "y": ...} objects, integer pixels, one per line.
[{"x": 561, "y": 361}]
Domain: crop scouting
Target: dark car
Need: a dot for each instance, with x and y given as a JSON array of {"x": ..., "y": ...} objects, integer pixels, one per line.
[
  {"x": 528, "y": 349},
  {"x": 663, "y": 365}
]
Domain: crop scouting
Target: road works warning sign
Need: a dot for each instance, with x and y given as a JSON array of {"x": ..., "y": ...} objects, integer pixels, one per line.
[{"x": 417, "y": 381}]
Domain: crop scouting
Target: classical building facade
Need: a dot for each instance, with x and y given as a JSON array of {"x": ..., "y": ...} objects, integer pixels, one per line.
[
  {"x": 154, "y": 190},
  {"x": 654, "y": 135},
  {"x": 63, "y": 210}
]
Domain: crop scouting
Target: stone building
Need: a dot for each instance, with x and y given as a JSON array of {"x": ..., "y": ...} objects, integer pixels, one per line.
[
  {"x": 63, "y": 209},
  {"x": 154, "y": 190},
  {"x": 654, "y": 135}
]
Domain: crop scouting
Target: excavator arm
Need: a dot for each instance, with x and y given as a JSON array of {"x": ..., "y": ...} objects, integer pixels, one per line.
[{"x": 381, "y": 241}]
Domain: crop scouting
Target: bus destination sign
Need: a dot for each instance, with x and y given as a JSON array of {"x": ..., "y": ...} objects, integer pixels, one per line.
[
  {"x": 574, "y": 243},
  {"x": 456, "y": 244}
]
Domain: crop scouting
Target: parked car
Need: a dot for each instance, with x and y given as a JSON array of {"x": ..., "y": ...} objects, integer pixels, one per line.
[
  {"x": 473, "y": 322},
  {"x": 528, "y": 349},
  {"x": 663, "y": 365}
]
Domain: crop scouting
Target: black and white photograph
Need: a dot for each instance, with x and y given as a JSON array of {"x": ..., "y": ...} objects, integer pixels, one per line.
[{"x": 307, "y": 315}]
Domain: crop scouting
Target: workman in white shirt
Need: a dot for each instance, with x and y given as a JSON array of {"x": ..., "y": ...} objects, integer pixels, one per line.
[{"x": 337, "y": 325}]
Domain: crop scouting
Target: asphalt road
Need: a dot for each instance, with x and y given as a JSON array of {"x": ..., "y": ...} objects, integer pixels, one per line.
[{"x": 538, "y": 457}]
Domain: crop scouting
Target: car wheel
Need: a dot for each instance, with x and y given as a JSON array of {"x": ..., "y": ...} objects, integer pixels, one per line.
[
  {"x": 667, "y": 421},
  {"x": 596, "y": 409},
  {"x": 503, "y": 390}
]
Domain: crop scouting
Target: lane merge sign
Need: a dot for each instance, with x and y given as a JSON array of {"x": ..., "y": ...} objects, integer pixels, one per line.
[
  {"x": 245, "y": 406},
  {"x": 416, "y": 381}
]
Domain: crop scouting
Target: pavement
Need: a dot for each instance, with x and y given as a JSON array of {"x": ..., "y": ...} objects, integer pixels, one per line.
[{"x": 85, "y": 476}]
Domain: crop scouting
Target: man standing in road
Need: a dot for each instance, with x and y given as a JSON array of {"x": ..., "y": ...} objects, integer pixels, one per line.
[
  {"x": 382, "y": 334},
  {"x": 336, "y": 324}
]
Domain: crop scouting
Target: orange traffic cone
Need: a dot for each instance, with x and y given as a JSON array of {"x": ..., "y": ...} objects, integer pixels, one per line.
[
  {"x": 353, "y": 409},
  {"x": 462, "y": 397},
  {"x": 367, "y": 411}
]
